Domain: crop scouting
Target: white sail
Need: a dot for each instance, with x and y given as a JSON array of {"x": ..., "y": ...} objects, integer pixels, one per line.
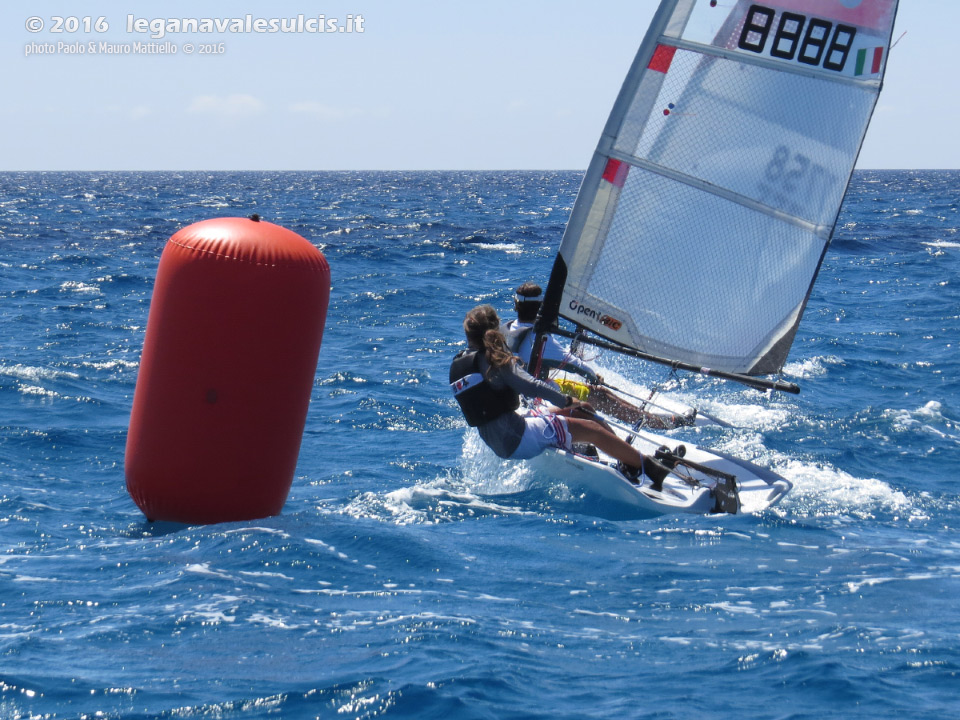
[{"x": 713, "y": 193}]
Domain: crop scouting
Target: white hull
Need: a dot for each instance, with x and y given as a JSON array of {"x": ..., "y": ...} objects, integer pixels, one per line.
[{"x": 757, "y": 487}]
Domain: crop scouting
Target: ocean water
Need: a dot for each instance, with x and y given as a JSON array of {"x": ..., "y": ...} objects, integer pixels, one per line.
[{"x": 412, "y": 575}]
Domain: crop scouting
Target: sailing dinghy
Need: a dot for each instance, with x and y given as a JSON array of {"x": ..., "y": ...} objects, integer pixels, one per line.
[{"x": 706, "y": 211}]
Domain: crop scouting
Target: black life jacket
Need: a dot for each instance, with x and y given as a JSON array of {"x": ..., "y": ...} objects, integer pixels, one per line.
[{"x": 479, "y": 400}]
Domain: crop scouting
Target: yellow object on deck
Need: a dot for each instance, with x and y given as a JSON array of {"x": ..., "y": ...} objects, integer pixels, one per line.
[{"x": 575, "y": 389}]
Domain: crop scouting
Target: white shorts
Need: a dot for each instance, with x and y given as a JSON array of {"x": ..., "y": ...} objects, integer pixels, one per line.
[{"x": 543, "y": 431}]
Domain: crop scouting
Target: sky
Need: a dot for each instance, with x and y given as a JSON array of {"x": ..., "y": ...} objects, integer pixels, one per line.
[{"x": 427, "y": 84}]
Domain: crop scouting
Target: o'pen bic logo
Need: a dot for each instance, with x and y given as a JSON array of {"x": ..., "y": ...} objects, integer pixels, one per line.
[{"x": 580, "y": 309}]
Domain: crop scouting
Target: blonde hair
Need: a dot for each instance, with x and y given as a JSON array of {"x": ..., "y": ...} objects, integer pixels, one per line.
[{"x": 482, "y": 328}]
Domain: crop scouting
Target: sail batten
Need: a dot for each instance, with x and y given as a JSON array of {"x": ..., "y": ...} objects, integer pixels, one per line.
[
  {"x": 759, "y": 61},
  {"x": 819, "y": 230},
  {"x": 706, "y": 211}
]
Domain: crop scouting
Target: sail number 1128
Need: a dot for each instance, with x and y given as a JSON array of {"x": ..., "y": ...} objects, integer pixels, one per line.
[{"x": 811, "y": 41}]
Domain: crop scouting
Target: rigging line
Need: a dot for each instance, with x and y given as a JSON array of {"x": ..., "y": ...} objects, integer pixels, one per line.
[
  {"x": 577, "y": 341},
  {"x": 559, "y": 368},
  {"x": 656, "y": 389},
  {"x": 567, "y": 357},
  {"x": 579, "y": 338},
  {"x": 672, "y": 411},
  {"x": 747, "y": 380},
  {"x": 897, "y": 40},
  {"x": 636, "y": 397},
  {"x": 680, "y": 460}
]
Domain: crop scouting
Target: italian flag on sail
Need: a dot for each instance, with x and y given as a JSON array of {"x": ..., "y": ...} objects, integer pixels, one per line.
[{"x": 869, "y": 61}]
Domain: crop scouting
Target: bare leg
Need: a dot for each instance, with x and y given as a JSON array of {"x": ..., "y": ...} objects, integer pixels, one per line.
[
  {"x": 611, "y": 404},
  {"x": 592, "y": 432}
]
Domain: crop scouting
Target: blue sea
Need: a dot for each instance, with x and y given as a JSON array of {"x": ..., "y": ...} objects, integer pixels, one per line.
[{"x": 412, "y": 575}]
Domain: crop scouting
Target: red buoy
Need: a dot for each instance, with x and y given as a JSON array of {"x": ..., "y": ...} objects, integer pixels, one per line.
[{"x": 229, "y": 360}]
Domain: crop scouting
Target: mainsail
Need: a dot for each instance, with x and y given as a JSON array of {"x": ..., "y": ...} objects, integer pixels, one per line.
[{"x": 712, "y": 196}]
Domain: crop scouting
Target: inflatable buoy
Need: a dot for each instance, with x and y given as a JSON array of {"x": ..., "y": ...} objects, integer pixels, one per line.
[{"x": 229, "y": 360}]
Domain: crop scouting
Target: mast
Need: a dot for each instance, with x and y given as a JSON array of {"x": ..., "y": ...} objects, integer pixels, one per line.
[
  {"x": 707, "y": 208},
  {"x": 548, "y": 316}
]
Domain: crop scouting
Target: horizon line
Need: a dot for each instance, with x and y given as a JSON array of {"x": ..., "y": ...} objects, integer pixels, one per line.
[{"x": 380, "y": 170}]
